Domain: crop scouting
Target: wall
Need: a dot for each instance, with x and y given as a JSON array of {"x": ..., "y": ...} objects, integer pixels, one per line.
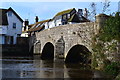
[
  {"x": 2, "y": 39},
  {"x": 15, "y": 50},
  {"x": 51, "y": 24},
  {"x": 23, "y": 40},
  {"x": 72, "y": 34},
  {"x": 46, "y": 25},
  {"x": 11, "y": 31},
  {"x": 58, "y": 20},
  {"x": 3, "y": 29},
  {"x": 3, "y": 32}
]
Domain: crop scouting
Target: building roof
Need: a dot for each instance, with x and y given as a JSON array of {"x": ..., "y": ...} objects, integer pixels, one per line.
[
  {"x": 64, "y": 12},
  {"x": 76, "y": 18},
  {"x": 37, "y": 26},
  {"x": 85, "y": 19},
  {"x": 102, "y": 15},
  {"x": 3, "y": 17},
  {"x": 37, "y": 29},
  {"x": 10, "y": 9},
  {"x": 42, "y": 21},
  {"x": 30, "y": 25}
]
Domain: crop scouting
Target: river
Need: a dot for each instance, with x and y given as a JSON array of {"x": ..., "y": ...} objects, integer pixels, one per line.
[{"x": 35, "y": 68}]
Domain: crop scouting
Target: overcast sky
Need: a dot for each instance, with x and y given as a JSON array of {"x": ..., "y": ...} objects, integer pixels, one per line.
[{"x": 47, "y": 10}]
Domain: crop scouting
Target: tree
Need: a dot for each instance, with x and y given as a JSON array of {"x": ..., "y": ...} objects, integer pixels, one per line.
[
  {"x": 92, "y": 12},
  {"x": 106, "y": 5},
  {"x": 111, "y": 30},
  {"x": 93, "y": 9}
]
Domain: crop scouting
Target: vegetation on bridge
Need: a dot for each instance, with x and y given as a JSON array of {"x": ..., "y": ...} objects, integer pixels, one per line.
[
  {"x": 105, "y": 44},
  {"x": 111, "y": 30}
]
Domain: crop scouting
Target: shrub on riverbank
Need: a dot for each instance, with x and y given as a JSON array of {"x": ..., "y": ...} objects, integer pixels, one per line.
[
  {"x": 105, "y": 46},
  {"x": 113, "y": 68}
]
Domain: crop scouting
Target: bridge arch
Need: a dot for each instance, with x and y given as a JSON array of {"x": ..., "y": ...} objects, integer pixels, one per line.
[
  {"x": 31, "y": 50},
  {"x": 60, "y": 48},
  {"x": 78, "y": 54},
  {"x": 48, "y": 51}
]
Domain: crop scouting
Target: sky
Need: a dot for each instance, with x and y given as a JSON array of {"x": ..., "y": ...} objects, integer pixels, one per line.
[{"x": 47, "y": 10}]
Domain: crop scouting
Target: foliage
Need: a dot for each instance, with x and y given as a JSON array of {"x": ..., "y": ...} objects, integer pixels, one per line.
[
  {"x": 111, "y": 30},
  {"x": 108, "y": 33},
  {"x": 94, "y": 62},
  {"x": 93, "y": 9},
  {"x": 118, "y": 77},
  {"x": 112, "y": 68}
]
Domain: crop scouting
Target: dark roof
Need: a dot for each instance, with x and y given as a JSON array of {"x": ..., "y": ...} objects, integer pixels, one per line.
[
  {"x": 37, "y": 29},
  {"x": 3, "y": 17},
  {"x": 76, "y": 18},
  {"x": 34, "y": 28},
  {"x": 85, "y": 19}
]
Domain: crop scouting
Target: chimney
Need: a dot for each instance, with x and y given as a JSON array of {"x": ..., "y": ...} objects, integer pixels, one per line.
[
  {"x": 85, "y": 13},
  {"x": 26, "y": 23},
  {"x": 36, "y": 19},
  {"x": 80, "y": 12}
]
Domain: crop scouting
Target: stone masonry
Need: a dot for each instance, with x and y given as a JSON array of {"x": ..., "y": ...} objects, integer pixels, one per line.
[{"x": 64, "y": 37}]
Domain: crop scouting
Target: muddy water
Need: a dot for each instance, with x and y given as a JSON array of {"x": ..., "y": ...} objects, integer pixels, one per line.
[{"x": 29, "y": 67}]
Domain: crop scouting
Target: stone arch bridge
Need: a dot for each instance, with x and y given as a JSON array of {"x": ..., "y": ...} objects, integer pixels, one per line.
[{"x": 72, "y": 42}]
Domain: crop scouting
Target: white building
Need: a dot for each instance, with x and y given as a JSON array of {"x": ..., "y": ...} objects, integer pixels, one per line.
[
  {"x": 70, "y": 16},
  {"x": 10, "y": 27}
]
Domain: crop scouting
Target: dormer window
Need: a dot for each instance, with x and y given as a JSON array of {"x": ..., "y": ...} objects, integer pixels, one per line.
[
  {"x": 64, "y": 17},
  {"x": 10, "y": 13}
]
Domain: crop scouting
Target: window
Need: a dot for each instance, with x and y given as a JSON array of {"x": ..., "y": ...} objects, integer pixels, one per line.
[
  {"x": 64, "y": 22},
  {"x": 18, "y": 35},
  {"x": 14, "y": 25},
  {"x": 68, "y": 15},
  {"x": 11, "y": 40},
  {"x": 64, "y": 17},
  {"x": 9, "y": 13}
]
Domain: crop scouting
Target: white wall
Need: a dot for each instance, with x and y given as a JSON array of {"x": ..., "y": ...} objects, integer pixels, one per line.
[
  {"x": 24, "y": 34},
  {"x": 3, "y": 29},
  {"x": 58, "y": 22},
  {"x": 71, "y": 22},
  {"x": 46, "y": 25},
  {"x": 14, "y": 31},
  {"x": 51, "y": 24},
  {"x": 2, "y": 39}
]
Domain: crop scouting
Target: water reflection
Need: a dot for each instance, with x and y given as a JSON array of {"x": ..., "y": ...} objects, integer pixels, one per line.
[
  {"x": 78, "y": 71},
  {"x": 36, "y": 68}
]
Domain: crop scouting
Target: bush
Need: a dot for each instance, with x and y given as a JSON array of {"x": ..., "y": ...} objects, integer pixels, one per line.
[
  {"x": 111, "y": 29},
  {"x": 112, "y": 68}
]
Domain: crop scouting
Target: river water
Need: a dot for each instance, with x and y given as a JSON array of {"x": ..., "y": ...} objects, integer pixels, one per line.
[{"x": 35, "y": 68}]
